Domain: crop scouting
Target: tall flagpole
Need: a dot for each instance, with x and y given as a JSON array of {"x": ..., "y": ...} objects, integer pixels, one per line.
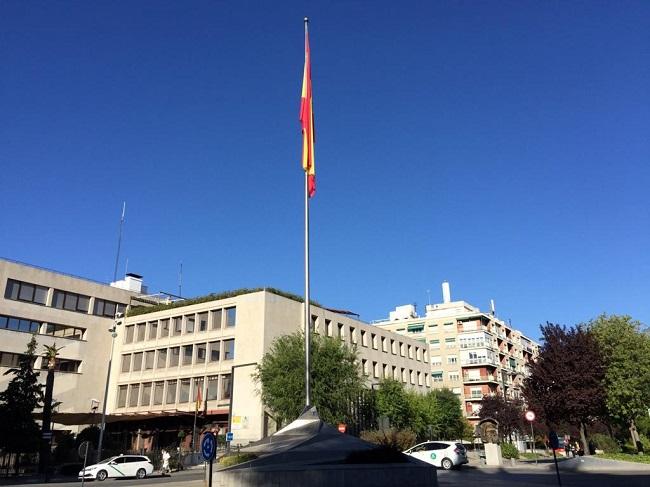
[{"x": 307, "y": 317}]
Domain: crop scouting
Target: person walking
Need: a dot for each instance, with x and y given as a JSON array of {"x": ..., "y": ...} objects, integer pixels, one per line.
[{"x": 165, "y": 465}]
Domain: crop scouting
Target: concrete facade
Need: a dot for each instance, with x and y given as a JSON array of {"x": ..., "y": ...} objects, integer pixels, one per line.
[
  {"x": 71, "y": 312},
  {"x": 471, "y": 352},
  {"x": 196, "y": 346}
]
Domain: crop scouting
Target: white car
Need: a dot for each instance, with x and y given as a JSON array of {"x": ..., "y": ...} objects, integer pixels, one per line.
[
  {"x": 122, "y": 466},
  {"x": 445, "y": 454}
]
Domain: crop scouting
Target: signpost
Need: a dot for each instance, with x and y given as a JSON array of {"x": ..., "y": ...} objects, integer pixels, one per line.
[
  {"x": 530, "y": 417},
  {"x": 230, "y": 436},
  {"x": 208, "y": 450},
  {"x": 83, "y": 451}
]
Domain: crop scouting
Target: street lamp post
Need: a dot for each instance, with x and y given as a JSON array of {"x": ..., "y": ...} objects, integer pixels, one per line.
[{"x": 113, "y": 330}]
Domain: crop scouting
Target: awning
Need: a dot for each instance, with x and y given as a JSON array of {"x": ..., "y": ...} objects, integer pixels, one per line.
[{"x": 73, "y": 419}]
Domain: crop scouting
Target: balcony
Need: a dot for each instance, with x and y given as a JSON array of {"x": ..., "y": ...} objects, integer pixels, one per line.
[
  {"x": 482, "y": 378},
  {"x": 479, "y": 361}
]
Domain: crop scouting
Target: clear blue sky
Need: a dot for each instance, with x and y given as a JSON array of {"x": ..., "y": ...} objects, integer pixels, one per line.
[{"x": 503, "y": 146}]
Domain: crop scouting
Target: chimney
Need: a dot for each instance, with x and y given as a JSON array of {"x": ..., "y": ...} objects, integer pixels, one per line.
[
  {"x": 492, "y": 308},
  {"x": 446, "y": 293}
]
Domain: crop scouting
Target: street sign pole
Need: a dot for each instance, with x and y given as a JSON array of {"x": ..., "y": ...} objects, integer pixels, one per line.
[
  {"x": 209, "y": 450},
  {"x": 530, "y": 416},
  {"x": 555, "y": 443}
]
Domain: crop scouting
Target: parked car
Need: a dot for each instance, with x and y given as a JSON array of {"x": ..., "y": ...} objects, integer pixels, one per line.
[
  {"x": 445, "y": 454},
  {"x": 122, "y": 466}
]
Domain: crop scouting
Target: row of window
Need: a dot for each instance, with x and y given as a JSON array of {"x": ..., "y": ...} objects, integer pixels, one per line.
[
  {"x": 392, "y": 371},
  {"x": 32, "y": 293},
  {"x": 15, "y": 323},
  {"x": 10, "y": 359},
  {"x": 388, "y": 345},
  {"x": 181, "y": 325},
  {"x": 174, "y": 391},
  {"x": 192, "y": 354}
]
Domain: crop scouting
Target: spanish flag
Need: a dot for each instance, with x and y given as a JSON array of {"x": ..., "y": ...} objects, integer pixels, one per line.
[
  {"x": 307, "y": 122},
  {"x": 199, "y": 398}
]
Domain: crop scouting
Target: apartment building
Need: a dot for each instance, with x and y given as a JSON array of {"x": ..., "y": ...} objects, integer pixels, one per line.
[
  {"x": 165, "y": 356},
  {"x": 72, "y": 312},
  {"x": 471, "y": 352}
]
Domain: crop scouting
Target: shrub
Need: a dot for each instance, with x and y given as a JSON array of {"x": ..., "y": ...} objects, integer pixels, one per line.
[
  {"x": 230, "y": 460},
  {"x": 508, "y": 450},
  {"x": 605, "y": 443},
  {"x": 392, "y": 438}
]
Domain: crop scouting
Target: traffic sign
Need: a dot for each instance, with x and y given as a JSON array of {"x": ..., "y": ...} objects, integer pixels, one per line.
[
  {"x": 342, "y": 427},
  {"x": 230, "y": 436},
  {"x": 530, "y": 416},
  {"x": 208, "y": 446}
]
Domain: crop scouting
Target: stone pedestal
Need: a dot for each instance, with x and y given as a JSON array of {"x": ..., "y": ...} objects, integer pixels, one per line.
[{"x": 493, "y": 455}]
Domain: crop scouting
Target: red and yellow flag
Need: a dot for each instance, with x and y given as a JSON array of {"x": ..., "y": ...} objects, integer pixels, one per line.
[
  {"x": 307, "y": 123},
  {"x": 199, "y": 398}
]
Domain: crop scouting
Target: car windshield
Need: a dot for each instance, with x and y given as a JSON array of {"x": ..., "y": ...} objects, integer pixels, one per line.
[
  {"x": 460, "y": 446},
  {"x": 108, "y": 460}
]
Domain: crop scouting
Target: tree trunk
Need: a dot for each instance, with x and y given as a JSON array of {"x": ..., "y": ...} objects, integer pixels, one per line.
[
  {"x": 583, "y": 438},
  {"x": 634, "y": 434}
]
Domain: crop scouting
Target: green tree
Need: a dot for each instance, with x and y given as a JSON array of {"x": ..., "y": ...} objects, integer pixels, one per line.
[
  {"x": 395, "y": 403},
  {"x": 449, "y": 420},
  {"x": 19, "y": 433},
  {"x": 335, "y": 375},
  {"x": 626, "y": 352}
]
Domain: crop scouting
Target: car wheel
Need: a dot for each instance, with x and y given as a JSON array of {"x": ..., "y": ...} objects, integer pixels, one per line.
[
  {"x": 447, "y": 464},
  {"x": 101, "y": 475},
  {"x": 141, "y": 473}
]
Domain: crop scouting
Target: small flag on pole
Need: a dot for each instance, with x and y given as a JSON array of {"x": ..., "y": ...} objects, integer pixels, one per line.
[
  {"x": 307, "y": 121},
  {"x": 199, "y": 399}
]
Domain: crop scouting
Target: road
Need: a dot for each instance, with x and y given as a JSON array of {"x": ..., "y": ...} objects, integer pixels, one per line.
[
  {"x": 186, "y": 478},
  {"x": 532, "y": 476}
]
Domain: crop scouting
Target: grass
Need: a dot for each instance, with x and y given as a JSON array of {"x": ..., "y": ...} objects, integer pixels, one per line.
[
  {"x": 229, "y": 461},
  {"x": 531, "y": 456},
  {"x": 627, "y": 457}
]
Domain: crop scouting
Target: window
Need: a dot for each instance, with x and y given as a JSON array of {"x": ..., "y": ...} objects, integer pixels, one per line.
[
  {"x": 328, "y": 328},
  {"x": 107, "y": 308},
  {"x": 8, "y": 359},
  {"x": 158, "y": 389},
  {"x": 161, "y": 363},
  {"x": 70, "y": 301},
  {"x": 410, "y": 351},
  {"x": 415, "y": 328},
  {"x": 403, "y": 375},
  {"x": 214, "y": 351},
  {"x": 375, "y": 369},
  {"x": 141, "y": 328},
  {"x": 448, "y": 327},
  {"x": 231, "y": 316},
  {"x": 23, "y": 291},
  {"x": 225, "y": 386},
  {"x": 419, "y": 378},
  {"x": 178, "y": 326},
  {"x": 454, "y": 376},
  {"x": 174, "y": 356},
  {"x": 212, "y": 392},
  {"x": 452, "y": 359},
  {"x": 137, "y": 361},
  {"x": 121, "y": 396},
  {"x": 188, "y": 351},
  {"x": 374, "y": 340},
  {"x": 412, "y": 376},
  {"x": 128, "y": 333},
  {"x": 353, "y": 335},
  {"x": 164, "y": 328},
  {"x": 341, "y": 331},
  {"x": 364, "y": 366},
  {"x": 64, "y": 331},
  {"x": 170, "y": 397},
  {"x": 384, "y": 345},
  {"x": 401, "y": 349},
  {"x": 63, "y": 365},
  {"x": 145, "y": 400},
  {"x": 393, "y": 347},
  {"x": 436, "y": 360},
  {"x": 126, "y": 362},
  {"x": 19, "y": 324},
  {"x": 153, "y": 330},
  {"x": 314, "y": 323},
  {"x": 134, "y": 393},
  {"x": 435, "y": 343},
  {"x": 450, "y": 342},
  {"x": 200, "y": 353},
  {"x": 149, "y": 356},
  {"x": 198, "y": 386},
  {"x": 228, "y": 349},
  {"x": 184, "y": 391},
  {"x": 436, "y": 376},
  {"x": 189, "y": 324},
  {"x": 203, "y": 321},
  {"x": 364, "y": 338},
  {"x": 216, "y": 319}
]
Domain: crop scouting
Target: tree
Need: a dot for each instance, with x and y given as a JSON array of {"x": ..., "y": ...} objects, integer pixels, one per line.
[
  {"x": 394, "y": 403},
  {"x": 51, "y": 352},
  {"x": 566, "y": 380},
  {"x": 449, "y": 420},
  {"x": 626, "y": 352},
  {"x": 336, "y": 379},
  {"x": 509, "y": 414},
  {"x": 19, "y": 433}
]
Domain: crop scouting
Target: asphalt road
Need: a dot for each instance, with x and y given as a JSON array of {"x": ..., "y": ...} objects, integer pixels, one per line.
[{"x": 186, "y": 478}]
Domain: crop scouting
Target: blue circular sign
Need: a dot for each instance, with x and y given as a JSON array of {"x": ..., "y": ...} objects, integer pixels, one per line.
[{"x": 208, "y": 446}]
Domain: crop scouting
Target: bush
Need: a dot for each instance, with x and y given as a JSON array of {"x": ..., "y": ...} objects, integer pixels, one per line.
[
  {"x": 508, "y": 450},
  {"x": 605, "y": 443},
  {"x": 398, "y": 440},
  {"x": 230, "y": 460}
]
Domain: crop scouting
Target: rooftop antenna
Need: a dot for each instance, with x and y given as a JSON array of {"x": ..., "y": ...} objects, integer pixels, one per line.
[
  {"x": 119, "y": 241},
  {"x": 180, "y": 280}
]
